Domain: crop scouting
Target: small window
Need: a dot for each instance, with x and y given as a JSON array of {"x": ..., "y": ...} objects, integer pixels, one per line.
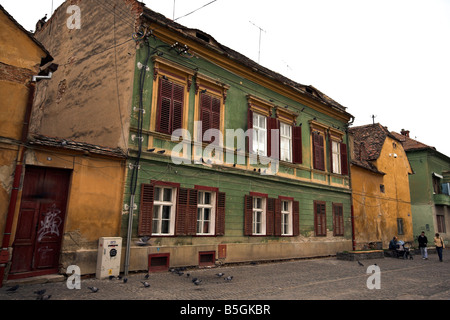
[
  {"x": 286, "y": 142},
  {"x": 259, "y": 214},
  {"x": 320, "y": 218},
  {"x": 382, "y": 190},
  {"x": 400, "y": 230},
  {"x": 286, "y": 218},
  {"x": 336, "y": 154},
  {"x": 205, "y": 212},
  {"x": 163, "y": 210},
  {"x": 259, "y": 134}
]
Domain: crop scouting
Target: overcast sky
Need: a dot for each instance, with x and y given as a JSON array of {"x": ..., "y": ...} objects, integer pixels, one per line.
[{"x": 388, "y": 58}]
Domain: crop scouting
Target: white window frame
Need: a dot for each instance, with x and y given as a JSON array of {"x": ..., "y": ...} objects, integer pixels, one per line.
[
  {"x": 158, "y": 206},
  {"x": 285, "y": 142},
  {"x": 259, "y": 216},
  {"x": 336, "y": 156},
  {"x": 259, "y": 133},
  {"x": 201, "y": 206},
  {"x": 286, "y": 218}
]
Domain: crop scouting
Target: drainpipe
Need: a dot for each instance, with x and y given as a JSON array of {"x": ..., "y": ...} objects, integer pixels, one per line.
[
  {"x": 4, "y": 253},
  {"x": 352, "y": 216}
]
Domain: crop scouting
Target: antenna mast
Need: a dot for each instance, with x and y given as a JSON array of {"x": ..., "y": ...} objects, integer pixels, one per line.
[{"x": 259, "y": 49}]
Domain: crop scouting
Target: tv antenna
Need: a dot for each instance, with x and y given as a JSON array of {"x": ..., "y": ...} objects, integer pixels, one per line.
[
  {"x": 259, "y": 48},
  {"x": 373, "y": 118}
]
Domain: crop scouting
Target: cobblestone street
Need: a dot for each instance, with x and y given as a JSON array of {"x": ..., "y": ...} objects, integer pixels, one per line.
[{"x": 313, "y": 279}]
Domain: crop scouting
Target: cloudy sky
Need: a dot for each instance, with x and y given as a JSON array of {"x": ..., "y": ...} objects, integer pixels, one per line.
[{"x": 387, "y": 58}]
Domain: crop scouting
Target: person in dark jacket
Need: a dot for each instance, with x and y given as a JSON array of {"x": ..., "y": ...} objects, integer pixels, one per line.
[{"x": 423, "y": 241}]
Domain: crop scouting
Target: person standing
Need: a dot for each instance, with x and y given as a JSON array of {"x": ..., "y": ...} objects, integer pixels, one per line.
[
  {"x": 423, "y": 241},
  {"x": 439, "y": 243}
]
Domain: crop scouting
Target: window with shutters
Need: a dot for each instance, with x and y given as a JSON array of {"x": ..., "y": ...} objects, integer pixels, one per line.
[
  {"x": 166, "y": 209},
  {"x": 338, "y": 219},
  {"x": 210, "y": 114},
  {"x": 170, "y": 106},
  {"x": 318, "y": 150},
  {"x": 265, "y": 216},
  {"x": 320, "y": 218},
  {"x": 259, "y": 134}
]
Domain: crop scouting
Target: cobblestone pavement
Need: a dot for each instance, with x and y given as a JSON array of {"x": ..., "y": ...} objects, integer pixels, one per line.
[{"x": 309, "y": 279}]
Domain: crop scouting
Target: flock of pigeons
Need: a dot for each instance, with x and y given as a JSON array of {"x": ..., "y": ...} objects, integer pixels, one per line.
[{"x": 178, "y": 271}]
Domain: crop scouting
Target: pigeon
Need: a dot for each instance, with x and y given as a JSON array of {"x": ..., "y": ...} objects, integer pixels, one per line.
[
  {"x": 180, "y": 273},
  {"x": 194, "y": 279},
  {"x": 229, "y": 278},
  {"x": 145, "y": 283},
  {"x": 93, "y": 289},
  {"x": 111, "y": 277},
  {"x": 360, "y": 264},
  {"x": 220, "y": 274},
  {"x": 146, "y": 276},
  {"x": 188, "y": 275},
  {"x": 197, "y": 282},
  {"x": 13, "y": 289},
  {"x": 40, "y": 292},
  {"x": 125, "y": 280},
  {"x": 42, "y": 297}
]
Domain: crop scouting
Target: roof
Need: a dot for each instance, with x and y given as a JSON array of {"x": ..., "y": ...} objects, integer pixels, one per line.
[
  {"x": 368, "y": 140},
  {"x": 411, "y": 144},
  {"x": 47, "y": 141},
  {"x": 209, "y": 42},
  {"x": 30, "y": 35}
]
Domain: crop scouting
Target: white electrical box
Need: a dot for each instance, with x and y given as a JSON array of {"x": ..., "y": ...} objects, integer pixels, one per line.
[{"x": 108, "y": 257}]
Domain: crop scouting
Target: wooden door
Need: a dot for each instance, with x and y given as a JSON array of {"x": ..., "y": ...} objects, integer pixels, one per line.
[{"x": 37, "y": 243}]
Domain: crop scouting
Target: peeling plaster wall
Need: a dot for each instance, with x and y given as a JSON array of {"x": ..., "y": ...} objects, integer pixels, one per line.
[{"x": 89, "y": 97}]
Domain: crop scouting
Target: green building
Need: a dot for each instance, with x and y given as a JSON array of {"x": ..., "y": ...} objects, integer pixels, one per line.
[
  {"x": 429, "y": 185},
  {"x": 279, "y": 191}
]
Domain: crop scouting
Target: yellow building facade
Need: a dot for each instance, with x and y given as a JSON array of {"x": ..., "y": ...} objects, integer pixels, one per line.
[{"x": 380, "y": 182}]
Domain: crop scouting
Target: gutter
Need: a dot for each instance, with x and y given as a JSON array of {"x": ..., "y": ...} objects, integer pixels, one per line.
[{"x": 352, "y": 215}]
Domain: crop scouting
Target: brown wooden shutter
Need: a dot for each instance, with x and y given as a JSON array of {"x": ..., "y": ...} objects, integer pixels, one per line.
[
  {"x": 146, "y": 210},
  {"x": 330, "y": 148},
  {"x": 273, "y": 123},
  {"x": 215, "y": 113},
  {"x": 220, "y": 214},
  {"x": 182, "y": 212},
  {"x": 277, "y": 217},
  {"x": 164, "y": 123},
  {"x": 295, "y": 218},
  {"x": 248, "y": 215},
  {"x": 297, "y": 144},
  {"x": 320, "y": 218},
  {"x": 177, "y": 108},
  {"x": 318, "y": 148},
  {"x": 338, "y": 220},
  {"x": 344, "y": 159},
  {"x": 270, "y": 216},
  {"x": 186, "y": 219},
  {"x": 250, "y": 126},
  {"x": 205, "y": 113}
]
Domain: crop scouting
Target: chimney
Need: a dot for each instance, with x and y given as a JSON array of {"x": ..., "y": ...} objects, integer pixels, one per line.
[{"x": 405, "y": 133}]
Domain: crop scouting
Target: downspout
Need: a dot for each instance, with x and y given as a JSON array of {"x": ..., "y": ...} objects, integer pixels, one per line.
[
  {"x": 4, "y": 252},
  {"x": 352, "y": 216}
]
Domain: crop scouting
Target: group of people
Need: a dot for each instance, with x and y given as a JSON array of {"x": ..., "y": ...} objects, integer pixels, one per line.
[{"x": 398, "y": 246}]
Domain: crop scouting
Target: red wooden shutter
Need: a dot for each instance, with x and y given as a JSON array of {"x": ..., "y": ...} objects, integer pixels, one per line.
[
  {"x": 146, "y": 210},
  {"x": 250, "y": 126},
  {"x": 248, "y": 215},
  {"x": 277, "y": 217},
  {"x": 344, "y": 159},
  {"x": 177, "y": 108},
  {"x": 273, "y": 123},
  {"x": 205, "y": 113},
  {"x": 318, "y": 148},
  {"x": 220, "y": 214},
  {"x": 297, "y": 144},
  {"x": 164, "y": 123},
  {"x": 295, "y": 218},
  {"x": 215, "y": 113}
]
